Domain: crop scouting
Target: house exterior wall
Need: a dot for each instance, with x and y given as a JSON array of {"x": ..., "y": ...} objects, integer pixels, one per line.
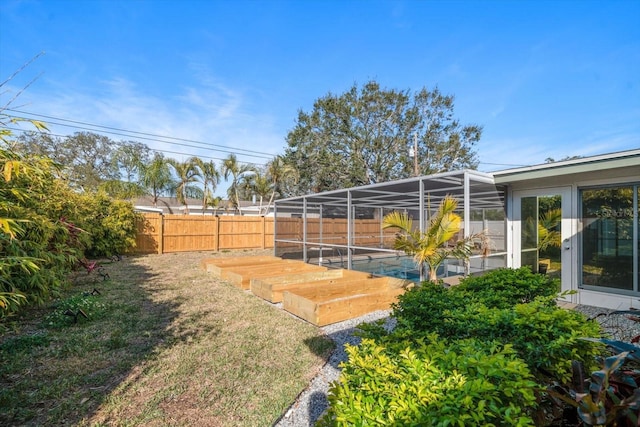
[{"x": 576, "y": 183}]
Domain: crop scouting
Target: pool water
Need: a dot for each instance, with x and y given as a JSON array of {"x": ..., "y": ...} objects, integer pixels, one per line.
[{"x": 399, "y": 267}]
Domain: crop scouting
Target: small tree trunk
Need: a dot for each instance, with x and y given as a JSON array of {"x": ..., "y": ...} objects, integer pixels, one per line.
[{"x": 433, "y": 274}]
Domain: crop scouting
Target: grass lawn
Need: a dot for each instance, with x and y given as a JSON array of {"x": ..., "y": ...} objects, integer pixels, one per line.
[{"x": 165, "y": 344}]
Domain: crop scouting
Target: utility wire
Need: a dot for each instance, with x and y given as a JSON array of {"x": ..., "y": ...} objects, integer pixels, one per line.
[
  {"x": 155, "y": 140},
  {"x": 152, "y": 149},
  {"x": 208, "y": 144}
]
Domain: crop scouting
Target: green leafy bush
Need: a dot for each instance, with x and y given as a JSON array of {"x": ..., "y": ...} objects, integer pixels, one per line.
[
  {"x": 37, "y": 249},
  {"x": 432, "y": 382},
  {"x": 546, "y": 337},
  {"x": 46, "y": 228},
  {"x": 481, "y": 333},
  {"x": 111, "y": 225},
  {"x": 504, "y": 287}
]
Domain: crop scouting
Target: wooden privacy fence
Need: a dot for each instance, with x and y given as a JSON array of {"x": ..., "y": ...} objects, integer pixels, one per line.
[{"x": 182, "y": 233}]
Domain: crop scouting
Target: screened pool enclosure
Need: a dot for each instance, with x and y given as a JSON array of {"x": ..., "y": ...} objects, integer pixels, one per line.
[{"x": 343, "y": 228}]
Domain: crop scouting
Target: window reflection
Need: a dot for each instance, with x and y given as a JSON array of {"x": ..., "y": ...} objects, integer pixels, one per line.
[{"x": 607, "y": 243}]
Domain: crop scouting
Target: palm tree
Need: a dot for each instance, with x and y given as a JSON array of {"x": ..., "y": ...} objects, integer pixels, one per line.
[
  {"x": 259, "y": 185},
  {"x": 210, "y": 178},
  {"x": 432, "y": 246},
  {"x": 278, "y": 171},
  {"x": 231, "y": 166},
  {"x": 156, "y": 177},
  {"x": 548, "y": 233},
  {"x": 187, "y": 173}
]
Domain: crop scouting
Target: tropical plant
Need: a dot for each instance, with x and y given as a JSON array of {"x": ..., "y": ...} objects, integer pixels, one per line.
[
  {"x": 232, "y": 167},
  {"x": 210, "y": 177},
  {"x": 187, "y": 173},
  {"x": 38, "y": 246},
  {"x": 434, "y": 245},
  {"x": 156, "y": 177},
  {"x": 258, "y": 184},
  {"x": 548, "y": 231},
  {"x": 279, "y": 173}
]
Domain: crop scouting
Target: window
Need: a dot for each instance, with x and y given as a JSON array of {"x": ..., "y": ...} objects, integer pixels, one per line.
[{"x": 610, "y": 244}]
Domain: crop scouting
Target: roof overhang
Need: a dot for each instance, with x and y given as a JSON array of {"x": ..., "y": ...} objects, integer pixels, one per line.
[
  {"x": 603, "y": 162},
  {"x": 405, "y": 193}
]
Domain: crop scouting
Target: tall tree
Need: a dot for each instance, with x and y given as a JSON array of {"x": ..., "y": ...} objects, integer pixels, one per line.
[
  {"x": 156, "y": 177},
  {"x": 231, "y": 167},
  {"x": 258, "y": 184},
  {"x": 187, "y": 173},
  {"x": 210, "y": 176},
  {"x": 129, "y": 156},
  {"x": 87, "y": 158},
  {"x": 365, "y": 135},
  {"x": 281, "y": 175}
]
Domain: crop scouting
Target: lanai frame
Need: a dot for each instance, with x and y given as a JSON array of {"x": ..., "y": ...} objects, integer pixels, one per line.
[{"x": 419, "y": 196}]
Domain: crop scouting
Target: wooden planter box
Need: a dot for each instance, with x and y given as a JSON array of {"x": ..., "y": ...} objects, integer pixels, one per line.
[
  {"x": 342, "y": 301},
  {"x": 271, "y": 288},
  {"x": 241, "y": 276},
  {"x": 215, "y": 265}
]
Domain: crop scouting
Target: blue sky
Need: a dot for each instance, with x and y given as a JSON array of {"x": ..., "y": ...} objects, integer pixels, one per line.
[{"x": 544, "y": 78}]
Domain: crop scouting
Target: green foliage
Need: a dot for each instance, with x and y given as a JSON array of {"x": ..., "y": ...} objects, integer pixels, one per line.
[
  {"x": 238, "y": 173},
  {"x": 503, "y": 287},
  {"x": 433, "y": 246},
  {"x": 489, "y": 338},
  {"x": 91, "y": 305},
  {"x": 37, "y": 247},
  {"x": 364, "y": 135},
  {"x": 111, "y": 225},
  {"x": 46, "y": 228},
  {"x": 510, "y": 306},
  {"x": 432, "y": 382}
]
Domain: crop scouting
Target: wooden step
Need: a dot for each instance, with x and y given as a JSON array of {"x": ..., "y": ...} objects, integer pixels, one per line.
[{"x": 271, "y": 288}]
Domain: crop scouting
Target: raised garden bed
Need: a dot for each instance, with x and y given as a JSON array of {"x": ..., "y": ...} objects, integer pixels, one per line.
[
  {"x": 342, "y": 301},
  {"x": 241, "y": 275},
  {"x": 272, "y": 288}
]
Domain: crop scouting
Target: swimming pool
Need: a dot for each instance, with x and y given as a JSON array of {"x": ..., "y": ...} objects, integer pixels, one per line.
[{"x": 402, "y": 267}]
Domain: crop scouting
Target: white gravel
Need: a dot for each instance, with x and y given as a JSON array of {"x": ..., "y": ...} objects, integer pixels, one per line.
[{"x": 312, "y": 402}]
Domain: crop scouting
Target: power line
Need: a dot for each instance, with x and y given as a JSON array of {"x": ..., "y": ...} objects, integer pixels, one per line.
[
  {"x": 155, "y": 140},
  {"x": 152, "y": 149},
  {"x": 110, "y": 128}
]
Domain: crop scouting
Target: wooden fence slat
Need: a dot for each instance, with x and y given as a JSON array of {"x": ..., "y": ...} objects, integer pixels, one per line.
[{"x": 180, "y": 233}]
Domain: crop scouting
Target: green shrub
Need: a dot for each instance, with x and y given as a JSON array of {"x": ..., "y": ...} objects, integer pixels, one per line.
[
  {"x": 111, "y": 225},
  {"x": 37, "y": 249},
  {"x": 46, "y": 228},
  {"x": 545, "y": 336},
  {"x": 432, "y": 382},
  {"x": 504, "y": 287}
]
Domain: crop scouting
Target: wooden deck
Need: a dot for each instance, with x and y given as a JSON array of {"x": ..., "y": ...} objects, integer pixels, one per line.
[{"x": 316, "y": 294}]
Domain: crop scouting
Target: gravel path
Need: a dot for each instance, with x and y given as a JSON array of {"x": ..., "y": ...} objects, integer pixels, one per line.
[{"x": 312, "y": 402}]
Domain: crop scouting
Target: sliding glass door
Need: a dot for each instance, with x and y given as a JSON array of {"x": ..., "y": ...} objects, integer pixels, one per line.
[{"x": 542, "y": 232}]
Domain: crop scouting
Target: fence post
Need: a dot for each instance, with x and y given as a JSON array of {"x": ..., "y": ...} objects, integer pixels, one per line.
[
  {"x": 161, "y": 235},
  {"x": 264, "y": 231},
  {"x": 216, "y": 242}
]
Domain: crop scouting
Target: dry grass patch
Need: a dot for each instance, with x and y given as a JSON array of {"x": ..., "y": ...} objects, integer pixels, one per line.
[{"x": 167, "y": 344}]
